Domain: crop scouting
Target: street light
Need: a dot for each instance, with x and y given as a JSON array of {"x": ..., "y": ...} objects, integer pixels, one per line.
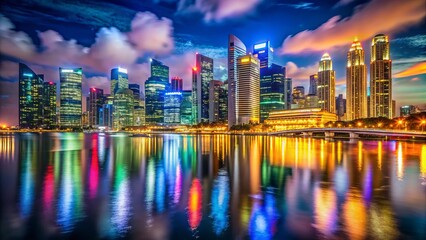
[
  {"x": 422, "y": 123},
  {"x": 359, "y": 124}
]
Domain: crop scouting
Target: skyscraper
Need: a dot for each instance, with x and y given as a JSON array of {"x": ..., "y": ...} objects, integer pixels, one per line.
[
  {"x": 123, "y": 108},
  {"x": 271, "y": 90},
  {"x": 264, "y": 53},
  {"x": 288, "y": 86},
  {"x": 236, "y": 48},
  {"x": 380, "y": 78},
  {"x": 356, "y": 83},
  {"x": 155, "y": 88},
  {"x": 340, "y": 107},
  {"x": 96, "y": 101},
  {"x": 248, "y": 90},
  {"x": 119, "y": 79},
  {"x": 70, "y": 97},
  {"x": 202, "y": 74},
  {"x": 136, "y": 93},
  {"x": 158, "y": 69},
  {"x": 176, "y": 84},
  {"x": 186, "y": 108},
  {"x": 223, "y": 102},
  {"x": 172, "y": 106},
  {"x": 49, "y": 105},
  {"x": 30, "y": 98},
  {"x": 326, "y": 84},
  {"x": 215, "y": 89},
  {"x": 313, "y": 84}
]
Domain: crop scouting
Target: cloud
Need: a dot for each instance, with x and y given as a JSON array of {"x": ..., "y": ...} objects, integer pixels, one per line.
[
  {"x": 342, "y": 3},
  {"x": 416, "y": 41},
  {"x": 300, "y": 5},
  {"x": 416, "y": 69},
  {"x": 371, "y": 19},
  {"x": 300, "y": 73}
]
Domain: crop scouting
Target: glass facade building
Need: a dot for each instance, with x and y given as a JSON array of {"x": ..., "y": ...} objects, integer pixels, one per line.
[
  {"x": 313, "y": 84},
  {"x": 119, "y": 79},
  {"x": 216, "y": 92},
  {"x": 70, "y": 97},
  {"x": 271, "y": 90},
  {"x": 159, "y": 70},
  {"x": 264, "y": 53},
  {"x": 94, "y": 106},
  {"x": 288, "y": 86},
  {"x": 30, "y": 98},
  {"x": 176, "y": 84},
  {"x": 49, "y": 105},
  {"x": 202, "y": 74},
  {"x": 136, "y": 93},
  {"x": 123, "y": 108},
  {"x": 155, "y": 88},
  {"x": 326, "y": 84},
  {"x": 172, "y": 107},
  {"x": 186, "y": 108}
]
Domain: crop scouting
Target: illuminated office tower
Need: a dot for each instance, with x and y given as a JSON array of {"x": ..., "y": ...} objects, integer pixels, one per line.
[
  {"x": 215, "y": 89},
  {"x": 94, "y": 106},
  {"x": 313, "y": 84},
  {"x": 288, "y": 86},
  {"x": 158, "y": 69},
  {"x": 264, "y": 53},
  {"x": 298, "y": 97},
  {"x": 136, "y": 93},
  {"x": 107, "y": 115},
  {"x": 186, "y": 108},
  {"x": 70, "y": 108},
  {"x": 248, "y": 90},
  {"x": 123, "y": 108},
  {"x": 236, "y": 48},
  {"x": 30, "y": 98},
  {"x": 49, "y": 105},
  {"x": 176, "y": 84},
  {"x": 223, "y": 103},
  {"x": 172, "y": 106},
  {"x": 326, "y": 84},
  {"x": 202, "y": 74},
  {"x": 356, "y": 83},
  {"x": 119, "y": 79},
  {"x": 272, "y": 95},
  {"x": 380, "y": 78},
  {"x": 155, "y": 88}
]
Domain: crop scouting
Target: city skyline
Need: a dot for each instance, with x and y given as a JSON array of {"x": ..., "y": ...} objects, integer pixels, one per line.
[{"x": 407, "y": 85}]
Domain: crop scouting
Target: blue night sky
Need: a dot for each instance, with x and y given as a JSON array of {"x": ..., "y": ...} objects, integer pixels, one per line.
[{"x": 100, "y": 35}]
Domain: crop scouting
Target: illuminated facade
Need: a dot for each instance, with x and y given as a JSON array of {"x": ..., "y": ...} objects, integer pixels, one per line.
[
  {"x": 380, "y": 78},
  {"x": 236, "y": 48},
  {"x": 288, "y": 86},
  {"x": 298, "y": 97},
  {"x": 326, "y": 84},
  {"x": 159, "y": 70},
  {"x": 313, "y": 84},
  {"x": 272, "y": 97},
  {"x": 264, "y": 53},
  {"x": 223, "y": 102},
  {"x": 107, "y": 115},
  {"x": 49, "y": 105},
  {"x": 216, "y": 94},
  {"x": 202, "y": 74},
  {"x": 356, "y": 83},
  {"x": 30, "y": 98},
  {"x": 119, "y": 79},
  {"x": 176, "y": 84},
  {"x": 248, "y": 90},
  {"x": 70, "y": 97},
  {"x": 311, "y": 101},
  {"x": 155, "y": 89},
  {"x": 300, "y": 118},
  {"x": 172, "y": 106},
  {"x": 136, "y": 93},
  {"x": 186, "y": 108},
  {"x": 123, "y": 108},
  {"x": 94, "y": 106}
]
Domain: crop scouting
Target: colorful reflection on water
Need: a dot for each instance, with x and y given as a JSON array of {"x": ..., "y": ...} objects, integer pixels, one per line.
[{"x": 210, "y": 187}]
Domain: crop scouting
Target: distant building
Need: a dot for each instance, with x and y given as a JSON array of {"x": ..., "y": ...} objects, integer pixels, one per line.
[
  {"x": 107, "y": 119},
  {"x": 393, "y": 108},
  {"x": 300, "y": 118},
  {"x": 405, "y": 111},
  {"x": 176, "y": 84},
  {"x": 49, "y": 105},
  {"x": 380, "y": 78},
  {"x": 313, "y": 84},
  {"x": 119, "y": 79},
  {"x": 30, "y": 98},
  {"x": 288, "y": 93},
  {"x": 248, "y": 90},
  {"x": 223, "y": 102},
  {"x": 138, "y": 115},
  {"x": 155, "y": 89},
  {"x": 202, "y": 74},
  {"x": 272, "y": 96},
  {"x": 298, "y": 97},
  {"x": 236, "y": 48},
  {"x": 340, "y": 107},
  {"x": 172, "y": 106},
  {"x": 311, "y": 101},
  {"x": 70, "y": 97},
  {"x": 264, "y": 53},
  {"x": 136, "y": 92},
  {"x": 326, "y": 84},
  {"x": 186, "y": 108},
  {"x": 214, "y": 89},
  {"x": 159, "y": 70},
  {"x": 96, "y": 101},
  {"x": 123, "y": 108}
]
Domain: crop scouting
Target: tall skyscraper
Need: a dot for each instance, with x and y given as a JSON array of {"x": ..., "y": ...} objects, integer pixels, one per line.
[
  {"x": 380, "y": 78},
  {"x": 356, "y": 83},
  {"x": 288, "y": 86},
  {"x": 96, "y": 101},
  {"x": 248, "y": 90},
  {"x": 313, "y": 84},
  {"x": 202, "y": 74},
  {"x": 271, "y": 90},
  {"x": 123, "y": 108},
  {"x": 186, "y": 108},
  {"x": 119, "y": 79},
  {"x": 172, "y": 106},
  {"x": 340, "y": 107},
  {"x": 264, "y": 53},
  {"x": 176, "y": 84},
  {"x": 158, "y": 69},
  {"x": 236, "y": 48},
  {"x": 215, "y": 89},
  {"x": 30, "y": 98},
  {"x": 70, "y": 109},
  {"x": 155, "y": 88},
  {"x": 136, "y": 93},
  {"x": 49, "y": 105},
  {"x": 326, "y": 84}
]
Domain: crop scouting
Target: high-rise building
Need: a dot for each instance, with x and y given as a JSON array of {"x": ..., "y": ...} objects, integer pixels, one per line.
[
  {"x": 215, "y": 88},
  {"x": 202, "y": 74},
  {"x": 271, "y": 90},
  {"x": 136, "y": 93},
  {"x": 223, "y": 102},
  {"x": 380, "y": 78},
  {"x": 340, "y": 107},
  {"x": 107, "y": 115},
  {"x": 326, "y": 84},
  {"x": 176, "y": 84},
  {"x": 393, "y": 108},
  {"x": 356, "y": 83},
  {"x": 172, "y": 106},
  {"x": 236, "y": 48},
  {"x": 119, "y": 79},
  {"x": 96, "y": 101},
  {"x": 288, "y": 86},
  {"x": 30, "y": 98},
  {"x": 186, "y": 108},
  {"x": 264, "y": 53},
  {"x": 313, "y": 84},
  {"x": 298, "y": 97},
  {"x": 70, "y": 108},
  {"x": 123, "y": 108},
  {"x": 49, "y": 105},
  {"x": 311, "y": 101},
  {"x": 155, "y": 88},
  {"x": 159, "y": 70},
  {"x": 248, "y": 90}
]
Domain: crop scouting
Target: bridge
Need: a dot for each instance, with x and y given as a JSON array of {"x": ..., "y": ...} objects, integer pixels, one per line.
[{"x": 352, "y": 132}]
